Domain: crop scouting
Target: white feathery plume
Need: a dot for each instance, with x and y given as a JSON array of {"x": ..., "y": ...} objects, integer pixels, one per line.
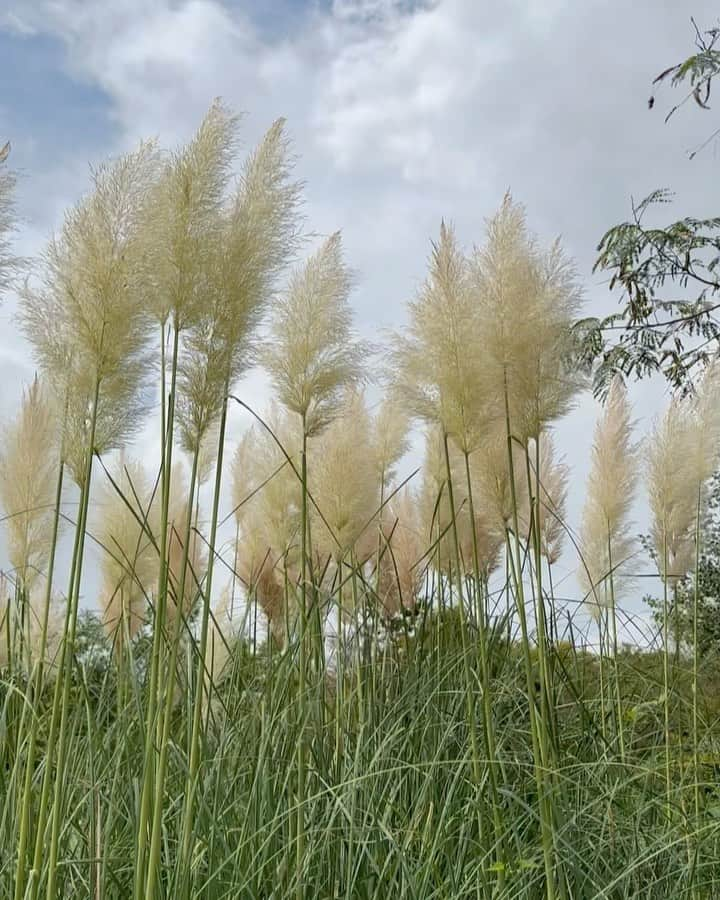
[
  {"x": 437, "y": 363},
  {"x": 527, "y": 301},
  {"x": 88, "y": 321},
  {"x": 313, "y": 355},
  {"x": 606, "y": 543},
  {"x": 129, "y": 560},
  {"x": 29, "y": 459},
  {"x": 554, "y": 475},
  {"x": 344, "y": 486}
]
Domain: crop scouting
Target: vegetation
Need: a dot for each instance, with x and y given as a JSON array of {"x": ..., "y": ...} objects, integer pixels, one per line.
[
  {"x": 419, "y": 720},
  {"x": 668, "y": 320}
]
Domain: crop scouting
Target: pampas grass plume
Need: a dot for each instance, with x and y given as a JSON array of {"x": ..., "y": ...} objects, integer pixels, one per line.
[
  {"x": 313, "y": 356},
  {"x": 605, "y": 541},
  {"x": 29, "y": 458}
]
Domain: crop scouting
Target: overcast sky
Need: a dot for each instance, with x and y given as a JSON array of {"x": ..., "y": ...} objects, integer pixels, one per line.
[{"x": 401, "y": 113}]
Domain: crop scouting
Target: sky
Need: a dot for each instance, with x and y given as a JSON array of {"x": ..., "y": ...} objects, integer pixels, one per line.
[{"x": 401, "y": 112}]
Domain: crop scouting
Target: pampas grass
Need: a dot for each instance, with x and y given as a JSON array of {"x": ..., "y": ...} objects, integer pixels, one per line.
[
  {"x": 87, "y": 321},
  {"x": 343, "y": 485},
  {"x": 438, "y": 361},
  {"x": 528, "y": 300},
  {"x": 313, "y": 355}
]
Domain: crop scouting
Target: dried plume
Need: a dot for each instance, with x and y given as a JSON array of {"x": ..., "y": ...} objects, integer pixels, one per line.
[
  {"x": 605, "y": 539},
  {"x": 255, "y": 236},
  {"x": 344, "y": 486},
  {"x": 8, "y": 262},
  {"x": 267, "y": 498},
  {"x": 181, "y": 222},
  {"x": 390, "y": 442},
  {"x": 313, "y": 355},
  {"x": 29, "y": 459},
  {"x": 436, "y": 517},
  {"x": 682, "y": 454},
  {"x": 88, "y": 319},
  {"x": 527, "y": 300},
  {"x": 401, "y": 563},
  {"x": 21, "y": 641},
  {"x": 129, "y": 561},
  {"x": 437, "y": 363},
  {"x": 550, "y": 497}
]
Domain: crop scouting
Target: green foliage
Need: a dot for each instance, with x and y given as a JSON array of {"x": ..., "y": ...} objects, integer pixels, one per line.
[{"x": 667, "y": 320}]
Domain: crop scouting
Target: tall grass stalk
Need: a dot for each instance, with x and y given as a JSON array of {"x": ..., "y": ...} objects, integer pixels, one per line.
[
  {"x": 485, "y": 686},
  {"x": 168, "y": 698},
  {"x": 37, "y": 682},
  {"x": 538, "y": 734},
  {"x": 619, "y": 714},
  {"x": 469, "y": 682},
  {"x": 62, "y": 692},
  {"x": 201, "y": 680},
  {"x": 159, "y": 617}
]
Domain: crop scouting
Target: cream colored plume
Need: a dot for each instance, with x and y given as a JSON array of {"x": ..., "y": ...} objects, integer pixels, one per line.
[
  {"x": 88, "y": 320},
  {"x": 438, "y": 363},
  {"x": 267, "y": 500},
  {"x": 255, "y": 235},
  {"x": 181, "y": 221},
  {"x": 313, "y": 356},
  {"x": 266, "y": 489},
  {"x": 129, "y": 562},
  {"x": 402, "y": 564},
  {"x": 220, "y": 639},
  {"x": 21, "y": 642},
  {"x": 344, "y": 486},
  {"x": 682, "y": 454},
  {"x": 550, "y": 498},
  {"x": 484, "y": 534},
  {"x": 606, "y": 543},
  {"x": 527, "y": 300},
  {"x": 390, "y": 442},
  {"x": 29, "y": 459}
]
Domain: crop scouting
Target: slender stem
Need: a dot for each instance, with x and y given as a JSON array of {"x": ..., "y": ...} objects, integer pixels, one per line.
[
  {"x": 469, "y": 699},
  {"x": 65, "y": 676},
  {"x": 488, "y": 724},
  {"x": 151, "y": 750},
  {"x": 666, "y": 672},
  {"x": 695, "y": 683},
  {"x": 619, "y": 724},
  {"x": 303, "y": 664},
  {"x": 169, "y": 686},
  {"x": 537, "y": 735},
  {"x": 36, "y": 690},
  {"x": 200, "y": 683}
]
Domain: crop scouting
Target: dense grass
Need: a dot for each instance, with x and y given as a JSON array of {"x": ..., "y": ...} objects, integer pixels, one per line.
[{"x": 397, "y": 811}]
